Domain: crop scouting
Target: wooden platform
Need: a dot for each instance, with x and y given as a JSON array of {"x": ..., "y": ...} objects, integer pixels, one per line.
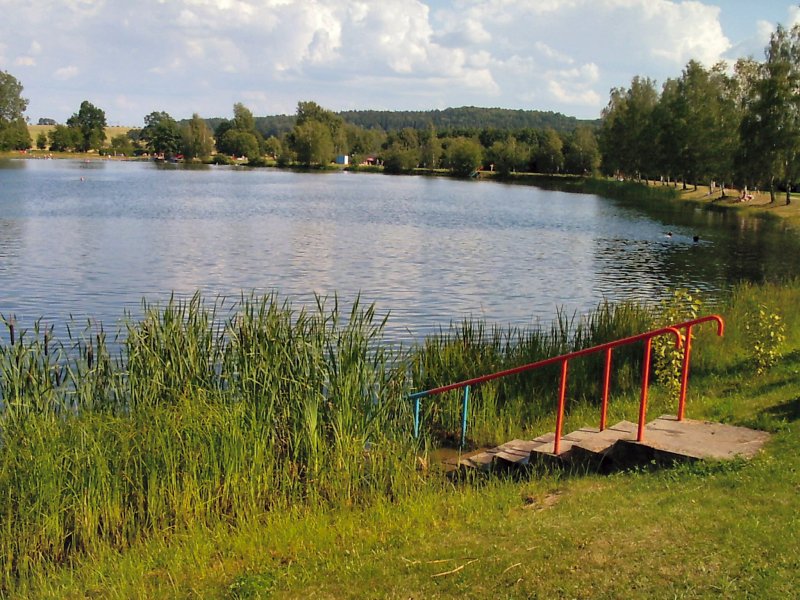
[{"x": 665, "y": 439}]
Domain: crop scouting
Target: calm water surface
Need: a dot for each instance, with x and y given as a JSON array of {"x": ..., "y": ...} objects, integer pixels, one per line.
[{"x": 93, "y": 239}]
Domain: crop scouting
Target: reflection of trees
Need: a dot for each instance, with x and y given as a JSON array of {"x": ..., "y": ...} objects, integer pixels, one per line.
[
  {"x": 11, "y": 232},
  {"x": 733, "y": 247}
]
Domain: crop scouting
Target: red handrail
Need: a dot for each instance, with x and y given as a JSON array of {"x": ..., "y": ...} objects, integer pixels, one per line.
[{"x": 607, "y": 348}]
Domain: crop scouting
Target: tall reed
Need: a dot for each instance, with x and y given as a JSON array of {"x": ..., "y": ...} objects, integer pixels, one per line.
[{"x": 207, "y": 412}]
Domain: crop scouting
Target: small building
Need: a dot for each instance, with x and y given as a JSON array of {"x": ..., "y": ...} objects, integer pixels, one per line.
[{"x": 342, "y": 159}]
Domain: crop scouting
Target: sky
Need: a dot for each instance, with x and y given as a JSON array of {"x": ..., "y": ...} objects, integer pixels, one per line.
[{"x": 133, "y": 57}]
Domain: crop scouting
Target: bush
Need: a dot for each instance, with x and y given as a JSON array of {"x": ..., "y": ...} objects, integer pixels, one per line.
[{"x": 767, "y": 333}]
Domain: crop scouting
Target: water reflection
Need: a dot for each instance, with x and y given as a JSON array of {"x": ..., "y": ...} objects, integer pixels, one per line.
[{"x": 428, "y": 250}]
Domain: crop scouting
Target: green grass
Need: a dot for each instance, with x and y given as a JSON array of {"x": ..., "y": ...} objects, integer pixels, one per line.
[
  {"x": 223, "y": 455},
  {"x": 696, "y": 531}
]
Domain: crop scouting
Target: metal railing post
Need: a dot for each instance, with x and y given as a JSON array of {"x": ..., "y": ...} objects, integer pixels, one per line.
[
  {"x": 416, "y": 418},
  {"x": 562, "y": 394},
  {"x": 645, "y": 381},
  {"x": 464, "y": 412},
  {"x": 606, "y": 383},
  {"x": 685, "y": 373}
]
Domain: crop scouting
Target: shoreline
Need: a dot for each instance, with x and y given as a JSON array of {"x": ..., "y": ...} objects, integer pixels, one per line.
[{"x": 759, "y": 204}]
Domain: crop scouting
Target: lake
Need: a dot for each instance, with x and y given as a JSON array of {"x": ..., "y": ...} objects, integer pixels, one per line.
[{"x": 92, "y": 239}]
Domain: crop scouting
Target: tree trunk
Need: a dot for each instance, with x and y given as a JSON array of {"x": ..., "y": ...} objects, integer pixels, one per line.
[
  {"x": 772, "y": 190},
  {"x": 788, "y": 193}
]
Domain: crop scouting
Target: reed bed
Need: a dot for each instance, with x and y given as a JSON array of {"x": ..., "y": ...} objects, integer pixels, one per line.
[{"x": 196, "y": 420}]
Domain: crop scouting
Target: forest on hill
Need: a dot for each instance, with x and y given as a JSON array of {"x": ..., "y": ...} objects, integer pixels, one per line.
[{"x": 465, "y": 119}]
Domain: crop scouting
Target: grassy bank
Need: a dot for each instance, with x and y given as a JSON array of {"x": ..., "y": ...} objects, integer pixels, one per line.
[{"x": 257, "y": 449}]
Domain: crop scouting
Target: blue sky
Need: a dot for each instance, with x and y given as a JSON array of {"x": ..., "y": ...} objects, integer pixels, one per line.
[{"x": 132, "y": 57}]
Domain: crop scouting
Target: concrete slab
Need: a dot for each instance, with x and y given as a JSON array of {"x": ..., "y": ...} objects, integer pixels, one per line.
[
  {"x": 701, "y": 439},
  {"x": 567, "y": 442},
  {"x": 602, "y": 441},
  {"x": 515, "y": 452},
  {"x": 666, "y": 438}
]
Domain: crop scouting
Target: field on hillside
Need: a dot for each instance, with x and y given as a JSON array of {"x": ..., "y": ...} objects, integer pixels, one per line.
[{"x": 35, "y": 130}]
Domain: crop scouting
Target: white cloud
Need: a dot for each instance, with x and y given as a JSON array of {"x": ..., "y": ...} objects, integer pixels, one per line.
[
  {"x": 65, "y": 73},
  {"x": 553, "y": 54},
  {"x": 202, "y": 55}
]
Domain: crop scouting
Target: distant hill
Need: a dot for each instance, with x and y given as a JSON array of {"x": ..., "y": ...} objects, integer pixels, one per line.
[
  {"x": 463, "y": 118},
  {"x": 466, "y": 117}
]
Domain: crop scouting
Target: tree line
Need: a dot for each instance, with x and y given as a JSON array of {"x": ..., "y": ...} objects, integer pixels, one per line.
[
  {"x": 314, "y": 136},
  {"x": 712, "y": 125}
]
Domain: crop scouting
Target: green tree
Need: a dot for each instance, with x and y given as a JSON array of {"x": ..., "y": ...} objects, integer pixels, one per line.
[
  {"x": 313, "y": 144},
  {"x": 41, "y": 141},
  {"x": 310, "y": 111},
  {"x": 703, "y": 119},
  {"x": 63, "y": 138},
  {"x": 582, "y": 155},
  {"x": 240, "y": 143},
  {"x": 197, "y": 139},
  {"x": 15, "y": 136},
  {"x": 273, "y": 147},
  {"x": 430, "y": 150},
  {"x": 508, "y": 156},
  {"x": 549, "y": 155},
  {"x": 122, "y": 145},
  {"x": 770, "y": 128},
  {"x": 243, "y": 119},
  {"x": 162, "y": 134},
  {"x": 90, "y": 121},
  {"x": 12, "y": 104},
  {"x": 398, "y": 158},
  {"x": 463, "y": 156},
  {"x": 13, "y": 129},
  {"x": 363, "y": 142},
  {"x": 627, "y": 135},
  {"x": 236, "y": 144}
]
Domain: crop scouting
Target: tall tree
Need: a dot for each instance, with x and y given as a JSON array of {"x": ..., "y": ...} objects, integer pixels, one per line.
[
  {"x": 197, "y": 139},
  {"x": 582, "y": 155},
  {"x": 63, "y": 138},
  {"x": 308, "y": 111},
  {"x": 235, "y": 137},
  {"x": 90, "y": 121},
  {"x": 13, "y": 129},
  {"x": 507, "y": 155},
  {"x": 627, "y": 136},
  {"x": 700, "y": 121},
  {"x": 770, "y": 128},
  {"x": 550, "y": 156},
  {"x": 313, "y": 144},
  {"x": 162, "y": 134},
  {"x": 463, "y": 156},
  {"x": 12, "y": 104}
]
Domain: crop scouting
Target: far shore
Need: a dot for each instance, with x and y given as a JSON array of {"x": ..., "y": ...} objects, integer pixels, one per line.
[{"x": 756, "y": 200}]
